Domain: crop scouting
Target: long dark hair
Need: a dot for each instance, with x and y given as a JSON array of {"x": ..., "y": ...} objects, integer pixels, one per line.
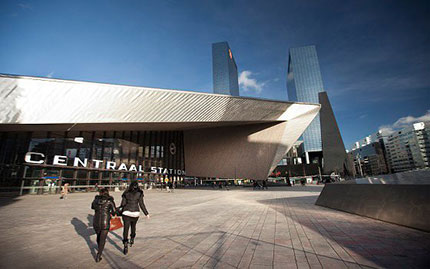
[
  {"x": 104, "y": 192},
  {"x": 134, "y": 187}
]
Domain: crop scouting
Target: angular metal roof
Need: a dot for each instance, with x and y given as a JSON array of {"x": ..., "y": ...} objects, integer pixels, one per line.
[{"x": 31, "y": 100}]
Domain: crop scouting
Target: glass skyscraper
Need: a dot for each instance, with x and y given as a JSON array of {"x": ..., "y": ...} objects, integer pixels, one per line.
[
  {"x": 304, "y": 82},
  {"x": 225, "y": 80}
]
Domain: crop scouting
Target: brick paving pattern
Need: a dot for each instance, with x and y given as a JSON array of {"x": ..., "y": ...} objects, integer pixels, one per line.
[{"x": 240, "y": 228}]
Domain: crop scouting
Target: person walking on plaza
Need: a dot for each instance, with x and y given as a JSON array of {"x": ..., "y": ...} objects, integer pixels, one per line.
[
  {"x": 255, "y": 185},
  {"x": 104, "y": 207},
  {"x": 265, "y": 185},
  {"x": 64, "y": 191},
  {"x": 132, "y": 199}
]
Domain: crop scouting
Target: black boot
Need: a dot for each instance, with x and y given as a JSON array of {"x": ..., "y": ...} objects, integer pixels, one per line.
[
  {"x": 131, "y": 242},
  {"x": 98, "y": 257},
  {"x": 125, "y": 246}
]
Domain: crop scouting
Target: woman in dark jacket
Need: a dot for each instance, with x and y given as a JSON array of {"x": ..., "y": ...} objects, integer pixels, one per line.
[
  {"x": 104, "y": 206},
  {"x": 132, "y": 199}
]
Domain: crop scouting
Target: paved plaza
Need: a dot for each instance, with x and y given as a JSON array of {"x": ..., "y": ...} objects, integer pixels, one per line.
[{"x": 191, "y": 228}]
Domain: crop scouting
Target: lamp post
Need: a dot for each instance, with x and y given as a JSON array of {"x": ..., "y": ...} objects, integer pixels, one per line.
[{"x": 359, "y": 164}]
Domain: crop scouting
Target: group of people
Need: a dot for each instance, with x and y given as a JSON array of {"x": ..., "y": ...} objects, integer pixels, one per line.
[
  {"x": 104, "y": 206},
  {"x": 220, "y": 185},
  {"x": 257, "y": 185}
]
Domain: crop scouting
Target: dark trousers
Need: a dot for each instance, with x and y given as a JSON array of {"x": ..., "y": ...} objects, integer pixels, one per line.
[
  {"x": 101, "y": 240},
  {"x": 129, "y": 221}
]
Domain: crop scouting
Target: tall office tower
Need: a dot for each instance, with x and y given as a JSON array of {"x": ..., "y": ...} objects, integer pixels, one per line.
[
  {"x": 224, "y": 70},
  {"x": 304, "y": 82}
]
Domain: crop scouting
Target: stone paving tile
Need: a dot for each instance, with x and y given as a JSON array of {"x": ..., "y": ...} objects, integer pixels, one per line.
[{"x": 279, "y": 228}]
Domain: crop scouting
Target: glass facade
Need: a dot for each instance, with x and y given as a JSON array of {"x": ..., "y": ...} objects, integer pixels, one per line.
[
  {"x": 304, "y": 82},
  {"x": 225, "y": 79},
  {"x": 409, "y": 148},
  {"x": 43, "y": 161}
]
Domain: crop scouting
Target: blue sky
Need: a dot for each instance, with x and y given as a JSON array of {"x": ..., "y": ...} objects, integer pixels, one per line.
[{"x": 374, "y": 55}]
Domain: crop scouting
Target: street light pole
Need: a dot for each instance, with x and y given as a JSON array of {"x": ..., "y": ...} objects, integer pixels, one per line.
[{"x": 359, "y": 165}]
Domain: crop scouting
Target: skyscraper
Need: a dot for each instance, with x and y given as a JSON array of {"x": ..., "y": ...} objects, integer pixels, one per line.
[
  {"x": 304, "y": 82},
  {"x": 225, "y": 80}
]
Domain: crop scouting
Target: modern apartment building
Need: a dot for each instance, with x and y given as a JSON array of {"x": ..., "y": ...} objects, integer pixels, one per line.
[
  {"x": 369, "y": 159},
  {"x": 370, "y": 155},
  {"x": 375, "y": 137},
  {"x": 409, "y": 148}
]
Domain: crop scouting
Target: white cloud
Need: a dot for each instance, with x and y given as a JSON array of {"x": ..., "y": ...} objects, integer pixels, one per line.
[
  {"x": 249, "y": 84},
  {"x": 25, "y": 6},
  {"x": 403, "y": 122},
  {"x": 386, "y": 130}
]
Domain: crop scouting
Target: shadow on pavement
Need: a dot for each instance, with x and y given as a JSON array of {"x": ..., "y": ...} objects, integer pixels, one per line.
[
  {"x": 90, "y": 225},
  {"x": 217, "y": 256},
  {"x": 7, "y": 198},
  {"x": 384, "y": 244},
  {"x": 85, "y": 232}
]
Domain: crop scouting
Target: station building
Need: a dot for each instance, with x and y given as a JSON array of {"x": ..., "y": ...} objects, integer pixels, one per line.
[{"x": 55, "y": 131}]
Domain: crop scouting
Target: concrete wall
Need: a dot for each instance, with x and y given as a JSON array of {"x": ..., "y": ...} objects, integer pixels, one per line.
[
  {"x": 407, "y": 205},
  {"x": 237, "y": 151},
  {"x": 334, "y": 154},
  {"x": 413, "y": 177}
]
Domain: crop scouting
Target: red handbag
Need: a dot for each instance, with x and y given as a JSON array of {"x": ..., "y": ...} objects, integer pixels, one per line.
[{"x": 115, "y": 223}]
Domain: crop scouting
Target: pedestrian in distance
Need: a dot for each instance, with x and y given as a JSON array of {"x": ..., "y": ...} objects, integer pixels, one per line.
[
  {"x": 265, "y": 184},
  {"x": 64, "y": 191},
  {"x": 104, "y": 207},
  {"x": 132, "y": 199},
  {"x": 255, "y": 185}
]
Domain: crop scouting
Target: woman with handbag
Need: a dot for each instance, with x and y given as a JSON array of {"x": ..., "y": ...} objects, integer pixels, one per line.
[
  {"x": 132, "y": 199},
  {"x": 104, "y": 207}
]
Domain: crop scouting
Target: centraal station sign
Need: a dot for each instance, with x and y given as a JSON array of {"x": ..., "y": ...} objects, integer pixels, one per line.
[{"x": 39, "y": 158}]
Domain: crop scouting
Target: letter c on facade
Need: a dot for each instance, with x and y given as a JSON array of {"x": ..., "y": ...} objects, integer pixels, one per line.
[{"x": 29, "y": 160}]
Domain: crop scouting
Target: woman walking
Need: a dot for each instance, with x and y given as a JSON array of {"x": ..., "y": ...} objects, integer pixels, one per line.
[
  {"x": 104, "y": 207},
  {"x": 132, "y": 199},
  {"x": 64, "y": 191}
]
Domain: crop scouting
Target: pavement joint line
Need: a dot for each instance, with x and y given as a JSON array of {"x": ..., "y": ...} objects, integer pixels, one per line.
[
  {"x": 274, "y": 237},
  {"x": 327, "y": 236},
  {"x": 331, "y": 244},
  {"x": 192, "y": 248},
  {"x": 205, "y": 253},
  {"x": 332, "y": 249},
  {"x": 259, "y": 234},
  {"x": 217, "y": 259},
  {"x": 172, "y": 249},
  {"x": 250, "y": 239},
  {"x": 250, "y": 212},
  {"x": 309, "y": 243}
]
